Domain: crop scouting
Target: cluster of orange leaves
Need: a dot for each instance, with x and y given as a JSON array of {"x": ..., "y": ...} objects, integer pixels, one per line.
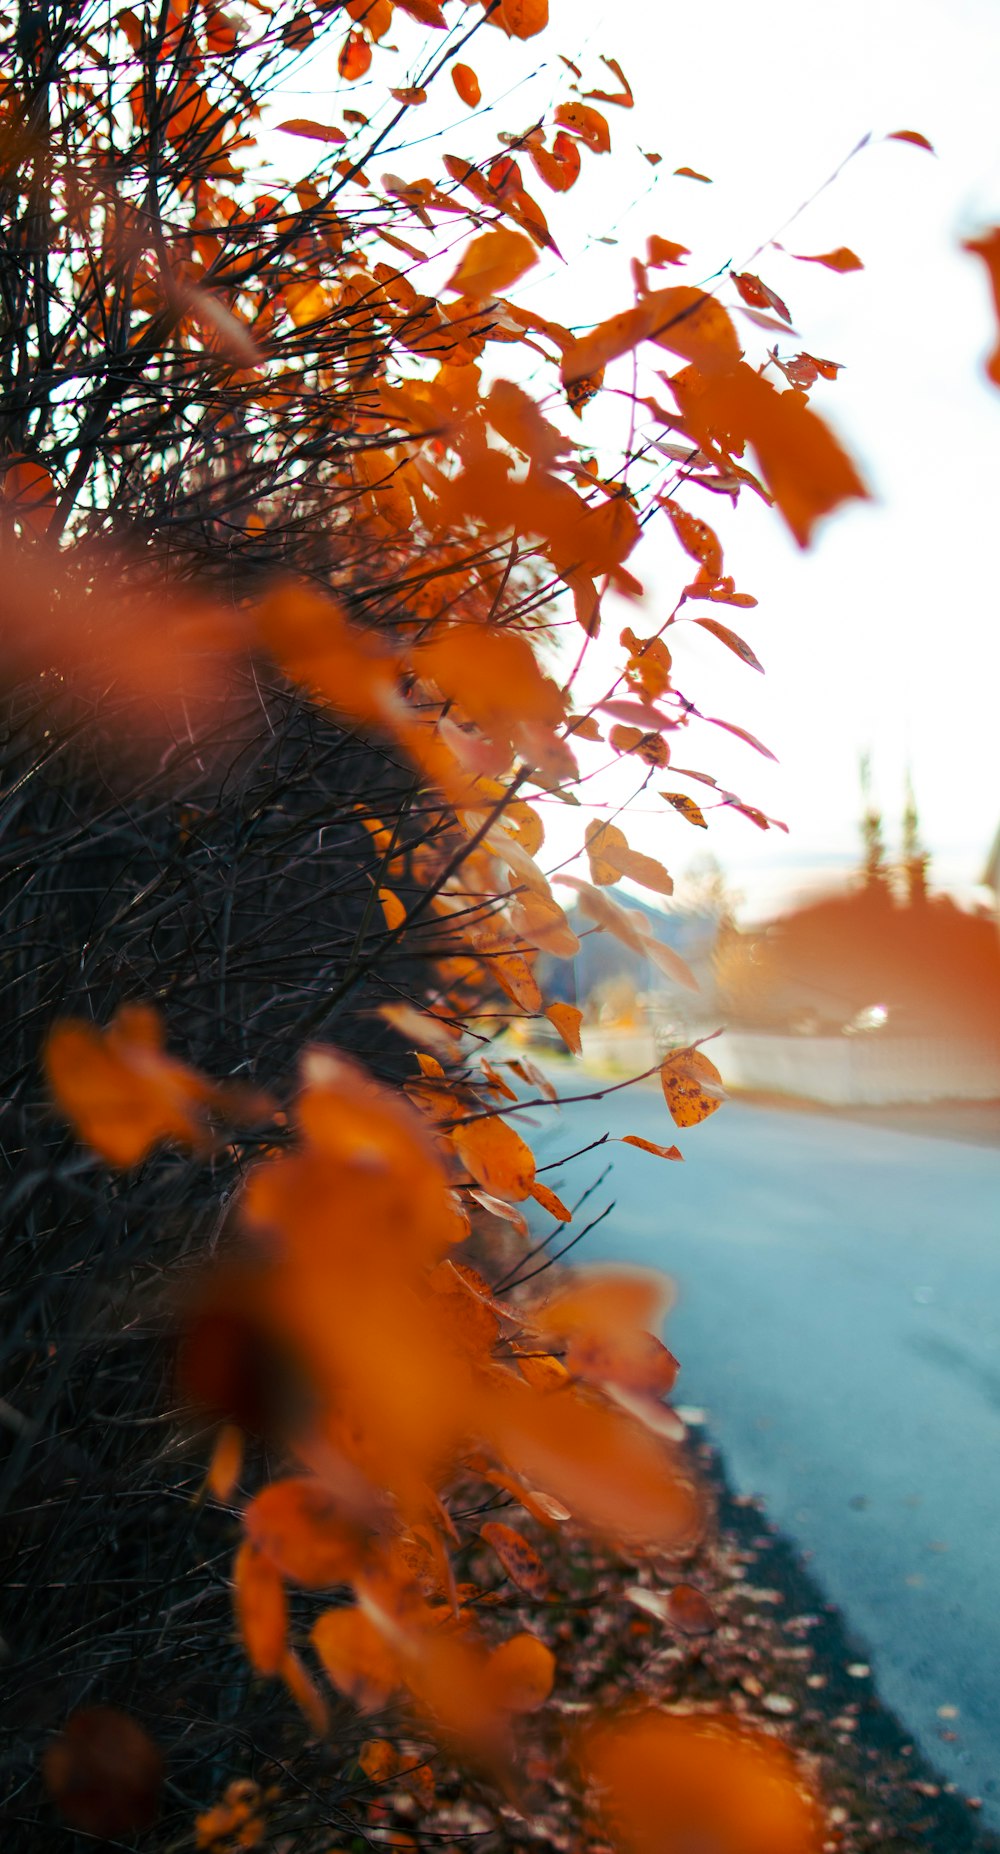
[{"x": 344, "y": 1326}]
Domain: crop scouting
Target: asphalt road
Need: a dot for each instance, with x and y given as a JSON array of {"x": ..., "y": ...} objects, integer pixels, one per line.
[{"x": 838, "y": 1320}]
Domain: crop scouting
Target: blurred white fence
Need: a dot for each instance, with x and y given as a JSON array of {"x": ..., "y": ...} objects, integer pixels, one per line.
[{"x": 874, "y": 1070}]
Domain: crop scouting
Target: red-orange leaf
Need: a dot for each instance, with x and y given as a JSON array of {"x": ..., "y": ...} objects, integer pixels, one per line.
[
  {"x": 519, "y": 1559},
  {"x": 696, "y": 537},
  {"x": 259, "y": 1595},
  {"x": 987, "y": 247},
  {"x": 28, "y": 488},
  {"x": 691, "y": 173},
  {"x": 660, "y": 251},
  {"x": 550, "y": 1202},
  {"x": 227, "y": 1460},
  {"x": 521, "y": 1673},
  {"x": 354, "y": 58},
  {"x": 356, "y": 1658},
  {"x": 759, "y": 295},
  {"x": 911, "y": 135},
  {"x": 559, "y": 166},
  {"x": 842, "y": 259},
  {"x": 667, "y": 1783},
  {"x": 587, "y": 123},
  {"x": 690, "y": 1612},
  {"x": 379, "y": 1760},
  {"x": 120, "y": 1088},
  {"x": 609, "y": 1472},
  {"x": 524, "y": 19},
  {"x": 313, "y": 131},
  {"x": 648, "y": 1145},
  {"x": 298, "y": 1525},
  {"x": 492, "y": 263},
  {"x": 731, "y": 640},
  {"x": 466, "y": 83}
]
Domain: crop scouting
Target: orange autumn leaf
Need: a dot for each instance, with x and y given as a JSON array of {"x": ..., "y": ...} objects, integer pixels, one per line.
[
  {"x": 681, "y": 318},
  {"x": 690, "y": 1611},
  {"x": 261, "y": 1610},
  {"x": 523, "y": 19},
  {"x": 393, "y": 909},
  {"x": 696, "y": 537},
  {"x": 309, "y": 636},
  {"x": 374, "y": 15},
  {"x": 911, "y": 135},
  {"x": 467, "y": 84},
  {"x": 226, "y": 1463},
  {"x": 987, "y": 247},
  {"x": 558, "y": 166},
  {"x": 648, "y": 1145},
  {"x": 425, "y": 12},
  {"x": 661, "y": 251},
  {"x": 605, "y": 1301},
  {"x": 759, "y": 295},
  {"x": 611, "y": 1473},
  {"x": 732, "y": 641},
  {"x": 586, "y": 123},
  {"x": 492, "y": 263},
  {"x": 803, "y": 465},
  {"x": 601, "y": 841},
  {"x": 623, "y": 97},
  {"x": 691, "y": 173},
  {"x": 379, "y": 1759},
  {"x": 30, "y": 493},
  {"x": 298, "y": 1525},
  {"x": 356, "y": 1658},
  {"x": 649, "y": 665},
  {"x": 567, "y": 1018},
  {"x": 519, "y": 1559},
  {"x": 842, "y": 259},
  {"x": 493, "y": 675},
  {"x": 687, "y": 808},
  {"x": 521, "y": 1673},
  {"x": 121, "y": 1090},
  {"x": 649, "y": 747},
  {"x": 664, "y": 1783},
  {"x": 549, "y": 1201},
  {"x": 497, "y": 1157},
  {"x": 695, "y": 326},
  {"x": 354, "y": 57},
  {"x": 313, "y": 131},
  {"x": 692, "y": 1086}
]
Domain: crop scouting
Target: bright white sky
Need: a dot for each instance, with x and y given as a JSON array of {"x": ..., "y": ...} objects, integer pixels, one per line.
[{"x": 884, "y": 636}]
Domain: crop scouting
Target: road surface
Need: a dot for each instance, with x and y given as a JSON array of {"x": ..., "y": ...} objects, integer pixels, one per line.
[{"x": 838, "y": 1319}]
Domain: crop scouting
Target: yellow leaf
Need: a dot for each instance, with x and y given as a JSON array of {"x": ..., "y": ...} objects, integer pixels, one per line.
[
  {"x": 496, "y": 1156},
  {"x": 692, "y": 1086},
  {"x": 566, "y": 1018},
  {"x": 492, "y": 263}
]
